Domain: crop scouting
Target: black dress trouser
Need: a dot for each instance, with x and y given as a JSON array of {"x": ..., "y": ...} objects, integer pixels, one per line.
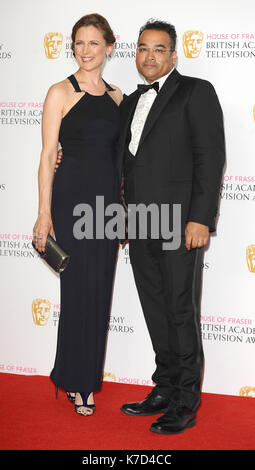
[{"x": 169, "y": 286}]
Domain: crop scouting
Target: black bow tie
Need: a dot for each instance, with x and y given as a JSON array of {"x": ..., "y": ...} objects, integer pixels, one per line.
[{"x": 143, "y": 88}]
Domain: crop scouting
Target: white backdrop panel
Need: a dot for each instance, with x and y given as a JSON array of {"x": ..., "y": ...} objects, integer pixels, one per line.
[{"x": 226, "y": 58}]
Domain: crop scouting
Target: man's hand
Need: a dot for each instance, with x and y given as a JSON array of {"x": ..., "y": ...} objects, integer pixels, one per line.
[
  {"x": 59, "y": 156},
  {"x": 196, "y": 235}
]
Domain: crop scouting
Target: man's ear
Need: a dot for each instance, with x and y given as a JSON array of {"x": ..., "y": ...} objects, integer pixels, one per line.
[{"x": 174, "y": 57}]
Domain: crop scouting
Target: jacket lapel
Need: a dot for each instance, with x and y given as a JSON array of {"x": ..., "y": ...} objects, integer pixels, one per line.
[
  {"x": 164, "y": 95},
  {"x": 127, "y": 112}
]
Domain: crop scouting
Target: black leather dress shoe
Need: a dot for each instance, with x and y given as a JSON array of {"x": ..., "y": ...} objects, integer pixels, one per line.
[
  {"x": 154, "y": 403},
  {"x": 175, "y": 420}
]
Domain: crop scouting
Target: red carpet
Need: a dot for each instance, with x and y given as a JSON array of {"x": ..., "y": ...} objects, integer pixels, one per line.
[{"x": 31, "y": 418}]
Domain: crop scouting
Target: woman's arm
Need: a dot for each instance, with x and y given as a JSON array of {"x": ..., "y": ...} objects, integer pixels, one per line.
[{"x": 51, "y": 120}]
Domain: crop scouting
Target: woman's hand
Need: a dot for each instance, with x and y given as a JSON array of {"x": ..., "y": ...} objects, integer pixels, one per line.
[{"x": 42, "y": 228}]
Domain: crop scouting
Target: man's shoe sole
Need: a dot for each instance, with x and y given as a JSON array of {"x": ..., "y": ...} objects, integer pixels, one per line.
[{"x": 190, "y": 425}]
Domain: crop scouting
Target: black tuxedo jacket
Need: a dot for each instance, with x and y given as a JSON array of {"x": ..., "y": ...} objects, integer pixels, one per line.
[{"x": 181, "y": 152}]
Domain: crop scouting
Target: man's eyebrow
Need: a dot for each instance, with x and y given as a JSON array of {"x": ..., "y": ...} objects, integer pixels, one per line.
[{"x": 154, "y": 45}]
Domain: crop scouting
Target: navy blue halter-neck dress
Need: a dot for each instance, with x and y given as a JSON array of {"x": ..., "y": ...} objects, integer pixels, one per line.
[{"x": 88, "y": 137}]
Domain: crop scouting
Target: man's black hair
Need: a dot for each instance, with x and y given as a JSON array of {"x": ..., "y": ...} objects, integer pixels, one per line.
[{"x": 161, "y": 26}]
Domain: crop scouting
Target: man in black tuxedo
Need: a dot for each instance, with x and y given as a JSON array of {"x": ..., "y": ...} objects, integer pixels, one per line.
[{"x": 171, "y": 151}]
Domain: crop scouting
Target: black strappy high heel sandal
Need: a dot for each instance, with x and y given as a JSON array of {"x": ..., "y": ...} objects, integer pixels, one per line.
[
  {"x": 70, "y": 397},
  {"x": 78, "y": 408}
]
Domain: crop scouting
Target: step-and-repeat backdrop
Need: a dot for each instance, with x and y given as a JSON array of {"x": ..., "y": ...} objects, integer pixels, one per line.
[{"x": 216, "y": 41}]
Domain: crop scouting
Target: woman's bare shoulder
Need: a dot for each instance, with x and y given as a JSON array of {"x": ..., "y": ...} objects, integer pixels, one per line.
[
  {"x": 117, "y": 93},
  {"x": 59, "y": 88},
  {"x": 115, "y": 88},
  {"x": 57, "y": 94}
]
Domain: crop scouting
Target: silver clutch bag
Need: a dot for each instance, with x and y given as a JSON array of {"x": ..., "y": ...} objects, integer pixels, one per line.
[{"x": 54, "y": 255}]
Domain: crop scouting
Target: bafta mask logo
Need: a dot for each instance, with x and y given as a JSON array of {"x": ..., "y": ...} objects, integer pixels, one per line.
[
  {"x": 250, "y": 258},
  {"x": 247, "y": 392},
  {"x": 109, "y": 377},
  {"x": 192, "y": 43},
  {"x": 53, "y": 45},
  {"x": 41, "y": 311}
]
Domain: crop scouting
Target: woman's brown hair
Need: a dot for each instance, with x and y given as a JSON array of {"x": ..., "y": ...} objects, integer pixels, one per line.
[{"x": 98, "y": 22}]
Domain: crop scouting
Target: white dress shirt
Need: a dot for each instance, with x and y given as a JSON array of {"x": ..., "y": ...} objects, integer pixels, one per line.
[{"x": 142, "y": 110}]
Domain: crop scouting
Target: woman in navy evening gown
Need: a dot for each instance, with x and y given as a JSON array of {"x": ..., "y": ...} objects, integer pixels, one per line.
[{"x": 82, "y": 113}]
